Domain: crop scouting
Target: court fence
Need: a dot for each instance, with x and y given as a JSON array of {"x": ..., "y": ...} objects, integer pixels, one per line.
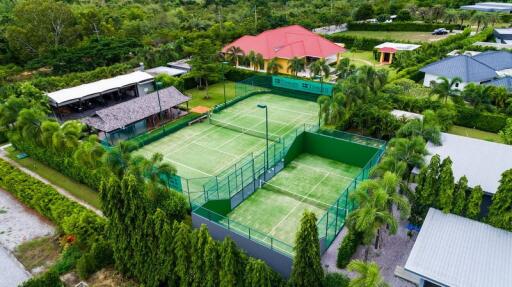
[{"x": 279, "y": 85}]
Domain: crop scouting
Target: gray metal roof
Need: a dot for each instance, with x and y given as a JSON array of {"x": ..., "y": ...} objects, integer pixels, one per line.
[
  {"x": 505, "y": 82},
  {"x": 455, "y": 251},
  {"x": 489, "y": 7},
  {"x": 506, "y": 31},
  {"x": 482, "y": 162},
  {"x": 126, "y": 113},
  {"x": 498, "y": 60},
  {"x": 462, "y": 66},
  {"x": 166, "y": 70}
]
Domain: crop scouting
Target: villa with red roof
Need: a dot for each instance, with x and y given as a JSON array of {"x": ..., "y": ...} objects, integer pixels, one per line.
[{"x": 286, "y": 43}]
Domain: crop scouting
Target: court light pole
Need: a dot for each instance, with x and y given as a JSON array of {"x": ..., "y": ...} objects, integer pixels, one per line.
[
  {"x": 158, "y": 85},
  {"x": 224, "y": 81},
  {"x": 263, "y": 106}
]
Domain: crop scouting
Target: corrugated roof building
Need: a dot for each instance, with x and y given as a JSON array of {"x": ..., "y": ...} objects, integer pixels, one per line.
[{"x": 455, "y": 251}]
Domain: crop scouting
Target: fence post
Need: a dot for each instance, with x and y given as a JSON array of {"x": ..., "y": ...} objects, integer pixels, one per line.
[
  {"x": 229, "y": 187},
  {"x": 249, "y": 233},
  {"x": 217, "y": 183},
  {"x": 337, "y": 210},
  {"x": 271, "y": 243},
  {"x": 253, "y": 174},
  {"x": 327, "y": 224}
]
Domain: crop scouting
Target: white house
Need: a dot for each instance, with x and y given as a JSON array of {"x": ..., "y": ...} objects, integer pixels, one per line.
[{"x": 479, "y": 69}]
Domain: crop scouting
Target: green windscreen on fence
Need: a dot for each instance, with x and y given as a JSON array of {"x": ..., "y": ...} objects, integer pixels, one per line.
[{"x": 302, "y": 85}]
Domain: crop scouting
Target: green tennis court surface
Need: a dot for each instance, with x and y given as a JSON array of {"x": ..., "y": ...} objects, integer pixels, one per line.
[
  {"x": 309, "y": 182},
  {"x": 204, "y": 150}
]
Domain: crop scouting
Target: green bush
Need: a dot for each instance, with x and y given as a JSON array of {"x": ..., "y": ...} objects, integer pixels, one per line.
[
  {"x": 472, "y": 118},
  {"x": 356, "y": 42},
  {"x": 99, "y": 256},
  {"x": 401, "y": 26},
  {"x": 336, "y": 280},
  {"x": 48, "y": 279},
  {"x": 70, "y": 216},
  {"x": 347, "y": 248},
  {"x": 68, "y": 260}
]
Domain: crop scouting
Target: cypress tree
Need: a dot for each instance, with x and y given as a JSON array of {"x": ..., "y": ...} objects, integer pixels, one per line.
[
  {"x": 446, "y": 186},
  {"x": 200, "y": 239},
  {"x": 474, "y": 202},
  {"x": 232, "y": 264},
  {"x": 307, "y": 269},
  {"x": 211, "y": 263},
  {"x": 182, "y": 247},
  {"x": 417, "y": 208},
  {"x": 500, "y": 212},
  {"x": 257, "y": 273},
  {"x": 459, "y": 196},
  {"x": 430, "y": 188}
]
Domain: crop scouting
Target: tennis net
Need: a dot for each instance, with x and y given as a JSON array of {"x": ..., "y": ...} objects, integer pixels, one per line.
[
  {"x": 244, "y": 130},
  {"x": 299, "y": 197}
]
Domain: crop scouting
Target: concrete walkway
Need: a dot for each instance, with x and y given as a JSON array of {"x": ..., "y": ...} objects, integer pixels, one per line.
[{"x": 3, "y": 155}]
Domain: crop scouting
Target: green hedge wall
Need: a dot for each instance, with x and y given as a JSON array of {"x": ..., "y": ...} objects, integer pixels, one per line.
[
  {"x": 361, "y": 43},
  {"x": 401, "y": 26},
  {"x": 69, "y": 216},
  {"x": 471, "y": 118}
]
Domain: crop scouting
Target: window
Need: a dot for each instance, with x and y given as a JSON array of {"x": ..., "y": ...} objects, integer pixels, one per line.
[{"x": 456, "y": 85}]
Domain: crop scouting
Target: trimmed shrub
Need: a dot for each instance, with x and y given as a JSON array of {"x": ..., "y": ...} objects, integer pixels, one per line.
[
  {"x": 336, "y": 280},
  {"x": 401, "y": 26},
  {"x": 100, "y": 255},
  {"x": 50, "y": 278},
  {"x": 70, "y": 216},
  {"x": 360, "y": 43},
  {"x": 471, "y": 118},
  {"x": 347, "y": 248}
]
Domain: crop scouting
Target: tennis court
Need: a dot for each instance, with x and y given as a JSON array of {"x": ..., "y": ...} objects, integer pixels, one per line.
[
  {"x": 309, "y": 182},
  {"x": 205, "y": 149}
]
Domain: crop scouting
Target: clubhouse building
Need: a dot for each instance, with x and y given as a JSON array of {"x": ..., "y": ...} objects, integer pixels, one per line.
[{"x": 284, "y": 44}]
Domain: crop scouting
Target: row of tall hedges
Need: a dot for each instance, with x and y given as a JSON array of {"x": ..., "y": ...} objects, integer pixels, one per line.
[
  {"x": 357, "y": 42},
  {"x": 69, "y": 216},
  {"x": 401, "y": 26},
  {"x": 471, "y": 118}
]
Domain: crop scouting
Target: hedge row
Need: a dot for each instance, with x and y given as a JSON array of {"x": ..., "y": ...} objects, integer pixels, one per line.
[
  {"x": 401, "y": 26},
  {"x": 361, "y": 43},
  {"x": 69, "y": 216},
  {"x": 471, "y": 118}
]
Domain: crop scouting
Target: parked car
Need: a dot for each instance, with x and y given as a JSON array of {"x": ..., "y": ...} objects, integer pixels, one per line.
[{"x": 440, "y": 31}]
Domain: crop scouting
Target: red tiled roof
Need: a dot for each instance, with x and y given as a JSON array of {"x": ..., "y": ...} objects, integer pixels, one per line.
[
  {"x": 387, "y": 50},
  {"x": 287, "y": 42}
]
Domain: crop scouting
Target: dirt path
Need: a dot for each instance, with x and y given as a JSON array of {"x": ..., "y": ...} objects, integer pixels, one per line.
[
  {"x": 17, "y": 225},
  {"x": 3, "y": 155}
]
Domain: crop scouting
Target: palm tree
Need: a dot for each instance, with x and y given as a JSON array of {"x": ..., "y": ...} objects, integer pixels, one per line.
[
  {"x": 499, "y": 96},
  {"x": 369, "y": 274},
  {"x": 48, "y": 129},
  {"x": 445, "y": 87},
  {"x": 429, "y": 131},
  {"x": 479, "y": 18},
  {"x": 251, "y": 58},
  {"x": 273, "y": 66},
  {"x": 410, "y": 151},
  {"x": 259, "y": 62},
  {"x": 295, "y": 65},
  {"x": 371, "y": 215},
  {"x": 344, "y": 68},
  {"x": 118, "y": 158},
  {"x": 450, "y": 17},
  {"x": 332, "y": 109},
  {"x": 89, "y": 153},
  {"x": 29, "y": 123},
  {"x": 477, "y": 95},
  {"x": 156, "y": 171},
  {"x": 67, "y": 136},
  {"x": 373, "y": 79},
  {"x": 352, "y": 89},
  {"x": 319, "y": 68},
  {"x": 390, "y": 164},
  {"x": 464, "y": 15},
  {"x": 9, "y": 111},
  {"x": 235, "y": 55}
]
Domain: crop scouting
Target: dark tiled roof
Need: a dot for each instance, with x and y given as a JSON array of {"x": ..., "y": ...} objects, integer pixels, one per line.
[
  {"x": 498, "y": 60},
  {"x": 505, "y": 82},
  {"x": 123, "y": 114},
  {"x": 462, "y": 66}
]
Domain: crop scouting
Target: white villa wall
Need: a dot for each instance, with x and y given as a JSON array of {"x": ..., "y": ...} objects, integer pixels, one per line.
[{"x": 430, "y": 77}]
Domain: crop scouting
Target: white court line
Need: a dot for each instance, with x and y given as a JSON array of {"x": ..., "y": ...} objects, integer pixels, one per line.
[
  {"x": 215, "y": 149},
  {"x": 298, "y": 204},
  {"x": 321, "y": 170},
  {"x": 189, "y": 167}
]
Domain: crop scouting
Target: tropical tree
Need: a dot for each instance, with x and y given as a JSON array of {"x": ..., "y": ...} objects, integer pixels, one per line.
[
  {"x": 9, "y": 111},
  {"x": 451, "y": 17},
  {"x": 429, "y": 131},
  {"x": 344, "y": 68},
  {"x": 319, "y": 68},
  {"x": 332, "y": 109},
  {"x": 29, "y": 122},
  {"x": 479, "y": 18},
  {"x": 499, "y": 96},
  {"x": 257, "y": 273},
  {"x": 500, "y": 211},
  {"x": 232, "y": 264},
  {"x": 259, "y": 63},
  {"x": 459, "y": 196},
  {"x": 183, "y": 255},
  {"x": 446, "y": 186},
  {"x": 118, "y": 158},
  {"x": 273, "y": 66},
  {"x": 67, "y": 137},
  {"x": 48, "y": 130},
  {"x": 477, "y": 95},
  {"x": 295, "y": 66},
  {"x": 89, "y": 153},
  {"x": 446, "y": 88},
  {"x": 372, "y": 78},
  {"x": 307, "y": 269},
  {"x": 506, "y": 132},
  {"x": 463, "y": 16},
  {"x": 473, "y": 206},
  {"x": 410, "y": 151},
  {"x": 368, "y": 274},
  {"x": 353, "y": 90},
  {"x": 205, "y": 65},
  {"x": 235, "y": 55},
  {"x": 211, "y": 264}
]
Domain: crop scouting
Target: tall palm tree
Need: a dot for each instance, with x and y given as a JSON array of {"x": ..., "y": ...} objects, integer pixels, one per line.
[
  {"x": 29, "y": 123},
  {"x": 353, "y": 90},
  {"x": 296, "y": 65},
  {"x": 499, "y": 96},
  {"x": 156, "y": 171},
  {"x": 477, "y": 95},
  {"x": 259, "y": 62},
  {"x": 479, "y": 18},
  {"x": 273, "y": 66},
  {"x": 9, "y": 111},
  {"x": 118, "y": 158},
  {"x": 251, "y": 58},
  {"x": 372, "y": 78},
  {"x": 410, "y": 151},
  {"x": 445, "y": 87},
  {"x": 319, "y": 68},
  {"x": 332, "y": 109},
  {"x": 368, "y": 274},
  {"x": 48, "y": 129},
  {"x": 451, "y": 17},
  {"x": 463, "y": 16},
  {"x": 235, "y": 55},
  {"x": 89, "y": 153},
  {"x": 427, "y": 130},
  {"x": 344, "y": 68}
]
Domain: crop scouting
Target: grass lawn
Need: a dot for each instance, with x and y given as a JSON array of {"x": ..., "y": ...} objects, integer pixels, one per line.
[
  {"x": 474, "y": 133},
  {"x": 397, "y": 35},
  {"x": 216, "y": 92},
  {"x": 77, "y": 189},
  {"x": 361, "y": 58},
  {"x": 40, "y": 252}
]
